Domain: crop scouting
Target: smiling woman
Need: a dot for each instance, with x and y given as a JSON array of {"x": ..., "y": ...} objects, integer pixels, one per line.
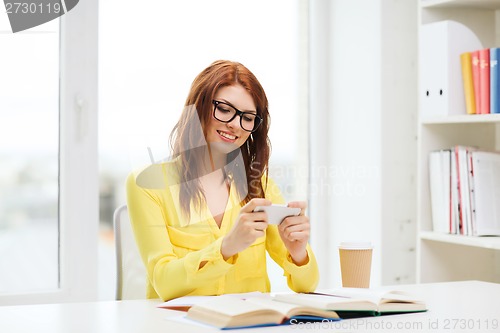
[
  {"x": 234, "y": 84},
  {"x": 145, "y": 74},
  {"x": 202, "y": 191}
]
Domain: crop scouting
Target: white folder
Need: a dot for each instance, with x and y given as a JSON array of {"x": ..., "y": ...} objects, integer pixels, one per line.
[
  {"x": 441, "y": 87},
  {"x": 486, "y": 177},
  {"x": 439, "y": 185}
]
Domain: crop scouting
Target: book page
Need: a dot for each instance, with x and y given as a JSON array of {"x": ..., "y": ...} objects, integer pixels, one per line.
[
  {"x": 231, "y": 306},
  {"x": 376, "y": 296},
  {"x": 223, "y": 312},
  {"x": 185, "y": 302},
  {"x": 372, "y": 295},
  {"x": 353, "y": 299},
  {"x": 327, "y": 302},
  {"x": 281, "y": 307},
  {"x": 401, "y": 297},
  {"x": 289, "y": 309}
]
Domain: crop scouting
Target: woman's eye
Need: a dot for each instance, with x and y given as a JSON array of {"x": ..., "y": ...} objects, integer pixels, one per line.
[
  {"x": 222, "y": 109},
  {"x": 248, "y": 118}
]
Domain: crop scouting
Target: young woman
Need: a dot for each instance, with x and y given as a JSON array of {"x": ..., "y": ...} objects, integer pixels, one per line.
[{"x": 193, "y": 217}]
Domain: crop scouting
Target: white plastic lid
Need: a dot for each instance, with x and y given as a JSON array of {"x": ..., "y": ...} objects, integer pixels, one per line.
[{"x": 356, "y": 245}]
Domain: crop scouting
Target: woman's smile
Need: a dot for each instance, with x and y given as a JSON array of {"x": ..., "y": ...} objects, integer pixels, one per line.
[{"x": 227, "y": 136}]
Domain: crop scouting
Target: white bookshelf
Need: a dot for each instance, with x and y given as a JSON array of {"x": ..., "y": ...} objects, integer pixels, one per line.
[
  {"x": 463, "y": 119},
  {"x": 492, "y": 243},
  {"x": 445, "y": 257},
  {"x": 481, "y": 4}
]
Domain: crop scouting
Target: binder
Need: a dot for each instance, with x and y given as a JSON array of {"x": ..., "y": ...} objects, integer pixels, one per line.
[
  {"x": 454, "y": 200},
  {"x": 441, "y": 83},
  {"x": 439, "y": 185},
  {"x": 472, "y": 195},
  {"x": 486, "y": 179},
  {"x": 476, "y": 79},
  {"x": 484, "y": 81},
  {"x": 494, "y": 80},
  {"x": 468, "y": 82},
  {"x": 463, "y": 188}
]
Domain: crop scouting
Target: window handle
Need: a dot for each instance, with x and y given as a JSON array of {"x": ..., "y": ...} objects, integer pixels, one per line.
[{"x": 82, "y": 119}]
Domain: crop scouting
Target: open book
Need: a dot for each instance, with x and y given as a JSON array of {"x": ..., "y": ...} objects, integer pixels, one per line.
[
  {"x": 349, "y": 301},
  {"x": 230, "y": 312},
  {"x": 184, "y": 303}
]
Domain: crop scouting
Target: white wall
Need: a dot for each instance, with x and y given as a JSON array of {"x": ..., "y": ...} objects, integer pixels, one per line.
[
  {"x": 359, "y": 91},
  {"x": 355, "y": 145},
  {"x": 399, "y": 140}
]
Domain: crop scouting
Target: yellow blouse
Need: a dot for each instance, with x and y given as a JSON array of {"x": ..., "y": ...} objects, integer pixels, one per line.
[{"x": 172, "y": 248}]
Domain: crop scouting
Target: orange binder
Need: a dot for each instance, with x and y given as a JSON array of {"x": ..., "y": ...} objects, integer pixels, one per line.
[
  {"x": 475, "y": 79},
  {"x": 470, "y": 101}
]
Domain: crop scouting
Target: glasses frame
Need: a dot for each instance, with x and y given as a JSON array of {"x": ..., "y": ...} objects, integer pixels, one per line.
[{"x": 257, "y": 121}]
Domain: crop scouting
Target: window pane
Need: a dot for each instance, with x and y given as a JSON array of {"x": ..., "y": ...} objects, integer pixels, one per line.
[
  {"x": 29, "y": 144},
  {"x": 147, "y": 64}
]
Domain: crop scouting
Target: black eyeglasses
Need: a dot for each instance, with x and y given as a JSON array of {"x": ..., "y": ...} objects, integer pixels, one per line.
[{"x": 225, "y": 113}]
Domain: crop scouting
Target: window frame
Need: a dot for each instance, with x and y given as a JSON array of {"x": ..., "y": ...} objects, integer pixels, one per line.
[{"x": 78, "y": 163}]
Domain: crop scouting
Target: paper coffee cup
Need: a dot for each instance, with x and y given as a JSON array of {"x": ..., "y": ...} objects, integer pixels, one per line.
[{"x": 355, "y": 264}]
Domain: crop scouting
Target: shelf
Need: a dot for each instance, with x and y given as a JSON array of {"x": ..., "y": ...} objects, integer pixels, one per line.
[
  {"x": 484, "y": 4},
  {"x": 463, "y": 119},
  {"x": 482, "y": 242},
  {"x": 441, "y": 256}
]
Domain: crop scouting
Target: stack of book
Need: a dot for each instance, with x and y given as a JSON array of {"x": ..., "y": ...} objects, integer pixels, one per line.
[
  {"x": 480, "y": 75},
  {"x": 464, "y": 185}
]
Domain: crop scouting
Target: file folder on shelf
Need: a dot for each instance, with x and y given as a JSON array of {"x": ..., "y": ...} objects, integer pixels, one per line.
[
  {"x": 486, "y": 178},
  {"x": 441, "y": 84},
  {"x": 440, "y": 189}
]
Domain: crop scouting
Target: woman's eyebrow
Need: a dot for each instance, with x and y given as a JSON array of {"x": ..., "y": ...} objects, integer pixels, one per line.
[{"x": 228, "y": 102}]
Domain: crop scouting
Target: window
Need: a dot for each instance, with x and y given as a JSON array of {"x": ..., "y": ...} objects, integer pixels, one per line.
[
  {"x": 48, "y": 160},
  {"x": 147, "y": 64},
  {"x": 29, "y": 154}
]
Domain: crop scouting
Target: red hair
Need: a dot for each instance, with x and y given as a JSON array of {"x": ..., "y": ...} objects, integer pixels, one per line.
[{"x": 188, "y": 141}]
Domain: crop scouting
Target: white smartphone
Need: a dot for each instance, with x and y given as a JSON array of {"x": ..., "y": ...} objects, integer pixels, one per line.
[{"x": 277, "y": 213}]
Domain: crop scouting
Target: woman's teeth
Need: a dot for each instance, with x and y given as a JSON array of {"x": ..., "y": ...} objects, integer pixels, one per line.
[{"x": 227, "y": 135}]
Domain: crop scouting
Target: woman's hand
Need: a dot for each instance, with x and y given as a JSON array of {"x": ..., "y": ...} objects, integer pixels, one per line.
[
  {"x": 294, "y": 231},
  {"x": 248, "y": 227}
]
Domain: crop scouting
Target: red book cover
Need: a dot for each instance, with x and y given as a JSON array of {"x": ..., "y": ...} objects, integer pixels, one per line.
[
  {"x": 475, "y": 79},
  {"x": 460, "y": 229},
  {"x": 484, "y": 81}
]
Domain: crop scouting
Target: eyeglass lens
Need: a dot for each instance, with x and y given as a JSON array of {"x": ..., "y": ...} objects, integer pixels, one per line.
[{"x": 226, "y": 113}]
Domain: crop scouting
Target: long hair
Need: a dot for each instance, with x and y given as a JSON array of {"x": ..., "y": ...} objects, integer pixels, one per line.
[{"x": 187, "y": 139}]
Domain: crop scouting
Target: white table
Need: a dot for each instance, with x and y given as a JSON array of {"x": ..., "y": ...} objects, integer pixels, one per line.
[{"x": 468, "y": 306}]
